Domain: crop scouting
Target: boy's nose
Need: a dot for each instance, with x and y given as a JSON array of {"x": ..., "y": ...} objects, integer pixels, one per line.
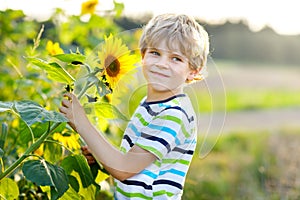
[{"x": 163, "y": 62}]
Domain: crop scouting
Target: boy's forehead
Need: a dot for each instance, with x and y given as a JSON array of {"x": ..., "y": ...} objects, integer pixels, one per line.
[
  {"x": 166, "y": 50},
  {"x": 174, "y": 49}
]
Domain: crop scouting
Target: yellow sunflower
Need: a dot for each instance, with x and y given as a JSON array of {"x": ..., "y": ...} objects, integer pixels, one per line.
[
  {"x": 69, "y": 140},
  {"x": 53, "y": 48},
  {"x": 88, "y": 7},
  {"x": 40, "y": 150},
  {"x": 116, "y": 60}
]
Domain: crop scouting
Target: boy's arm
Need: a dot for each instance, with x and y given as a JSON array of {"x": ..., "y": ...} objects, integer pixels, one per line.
[{"x": 121, "y": 166}]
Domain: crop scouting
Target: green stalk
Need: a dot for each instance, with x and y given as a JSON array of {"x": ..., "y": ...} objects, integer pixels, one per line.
[
  {"x": 82, "y": 92},
  {"x": 89, "y": 83},
  {"x": 32, "y": 148}
]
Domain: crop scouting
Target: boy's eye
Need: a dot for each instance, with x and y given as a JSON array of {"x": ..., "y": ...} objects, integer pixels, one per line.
[
  {"x": 176, "y": 59},
  {"x": 154, "y": 53}
]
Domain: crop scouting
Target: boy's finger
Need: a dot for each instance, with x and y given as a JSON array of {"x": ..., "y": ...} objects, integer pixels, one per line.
[
  {"x": 91, "y": 161},
  {"x": 84, "y": 149},
  {"x": 69, "y": 95},
  {"x": 63, "y": 110},
  {"x": 90, "y": 157},
  {"x": 66, "y": 103},
  {"x": 87, "y": 153}
]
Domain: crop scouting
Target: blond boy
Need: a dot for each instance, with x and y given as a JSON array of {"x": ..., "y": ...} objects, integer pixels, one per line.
[{"x": 160, "y": 139}]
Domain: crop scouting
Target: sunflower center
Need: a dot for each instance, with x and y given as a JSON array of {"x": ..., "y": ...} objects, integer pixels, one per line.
[
  {"x": 112, "y": 66},
  {"x": 91, "y": 6}
]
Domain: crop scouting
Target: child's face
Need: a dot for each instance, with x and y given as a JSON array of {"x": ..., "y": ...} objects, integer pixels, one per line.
[{"x": 165, "y": 70}]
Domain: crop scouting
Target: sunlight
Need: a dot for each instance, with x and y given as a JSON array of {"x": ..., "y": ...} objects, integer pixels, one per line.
[{"x": 280, "y": 15}]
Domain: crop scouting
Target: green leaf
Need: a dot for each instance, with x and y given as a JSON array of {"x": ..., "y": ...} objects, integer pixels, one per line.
[
  {"x": 74, "y": 183},
  {"x": 95, "y": 168},
  {"x": 79, "y": 164},
  {"x": 24, "y": 133},
  {"x": 9, "y": 189},
  {"x": 119, "y": 7},
  {"x": 39, "y": 129},
  {"x": 90, "y": 192},
  {"x": 71, "y": 58},
  {"x": 3, "y": 134},
  {"x": 31, "y": 112},
  {"x": 45, "y": 174},
  {"x": 71, "y": 194},
  {"x": 54, "y": 70},
  {"x": 102, "y": 89},
  {"x": 1, "y": 154},
  {"x": 105, "y": 110},
  {"x": 52, "y": 152}
]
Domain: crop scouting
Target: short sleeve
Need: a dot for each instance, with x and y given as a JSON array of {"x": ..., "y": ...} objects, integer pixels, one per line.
[{"x": 164, "y": 132}]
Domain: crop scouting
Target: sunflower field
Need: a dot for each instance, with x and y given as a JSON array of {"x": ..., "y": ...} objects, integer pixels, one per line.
[
  {"x": 92, "y": 56},
  {"x": 88, "y": 54}
]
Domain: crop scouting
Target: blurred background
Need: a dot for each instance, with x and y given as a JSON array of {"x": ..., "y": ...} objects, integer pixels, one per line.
[{"x": 248, "y": 107}]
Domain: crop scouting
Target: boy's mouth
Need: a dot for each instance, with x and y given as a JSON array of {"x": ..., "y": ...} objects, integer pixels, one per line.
[{"x": 159, "y": 74}]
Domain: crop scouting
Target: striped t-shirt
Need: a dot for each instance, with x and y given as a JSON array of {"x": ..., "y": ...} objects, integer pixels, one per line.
[{"x": 168, "y": 130}]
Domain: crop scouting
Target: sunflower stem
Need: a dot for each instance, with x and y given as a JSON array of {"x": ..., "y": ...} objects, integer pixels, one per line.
[
  {"x": 88, "y": 68},
  {"x": 82, "y": 91},
  {"x": 32, "y": 148},
  {"x": 86, "y": 87}
]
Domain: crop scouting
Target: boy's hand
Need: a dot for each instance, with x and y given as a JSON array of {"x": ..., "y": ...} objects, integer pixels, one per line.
[
  {"x": 72, "y": 109},
  {"x": 87, "y": 154}
]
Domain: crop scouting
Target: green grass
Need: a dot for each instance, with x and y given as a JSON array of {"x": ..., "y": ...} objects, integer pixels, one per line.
[
  {"x": 246, "y": 100},
  {"x": 246, "y": 166},
  {"x": 250, "y": 100},
  {"x": 232, "y": 100}
]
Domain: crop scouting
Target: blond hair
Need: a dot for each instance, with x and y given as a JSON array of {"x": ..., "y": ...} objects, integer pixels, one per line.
[{"x": 180, "y": 32}]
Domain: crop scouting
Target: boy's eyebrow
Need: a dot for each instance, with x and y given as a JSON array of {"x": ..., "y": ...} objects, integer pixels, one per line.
[
  {"x": 175, "y": 53},
  {"x": 152, "y": 48}
]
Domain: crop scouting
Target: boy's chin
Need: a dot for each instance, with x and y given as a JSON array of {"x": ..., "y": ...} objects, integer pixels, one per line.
[{"x": 160, "y": 88}]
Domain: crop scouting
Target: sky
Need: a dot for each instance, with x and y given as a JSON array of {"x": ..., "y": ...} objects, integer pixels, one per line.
[{"x": 281, "y": 15}]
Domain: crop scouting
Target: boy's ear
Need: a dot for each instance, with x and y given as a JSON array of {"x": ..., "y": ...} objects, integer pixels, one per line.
[{"x": 192, "y": 74}]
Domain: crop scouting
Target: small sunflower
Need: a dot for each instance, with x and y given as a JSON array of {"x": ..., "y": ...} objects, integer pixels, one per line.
[
  {"x": 68, "y": 140},
  {"x": 116, "y": 60},
  {"x": 40, "y": 150},
  {"x": 88, "y": 7},
  {"x": 53, "y": 48}
]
